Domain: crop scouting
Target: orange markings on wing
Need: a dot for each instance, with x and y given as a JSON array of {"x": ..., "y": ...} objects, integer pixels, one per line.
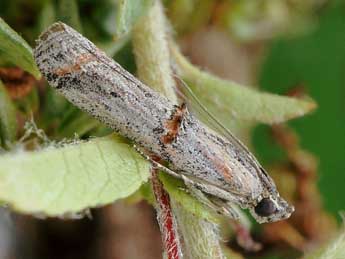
[
  {"x": 81, "y": 60},
  {"x": 173, "y": 125},
  {"x": 222, "y": 168},
  {"x": 219, "y": 165}
]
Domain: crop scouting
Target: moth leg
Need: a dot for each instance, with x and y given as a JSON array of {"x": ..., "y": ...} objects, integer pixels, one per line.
[
  {"x": 155, "y": 163},
  {"x": 214, "y": 191},
  {"x": 214, "y": 203},
  {"x": 229, "y": 208},
  {"x": 196, "y": 189},
  {"x": 164, "y": 168}
]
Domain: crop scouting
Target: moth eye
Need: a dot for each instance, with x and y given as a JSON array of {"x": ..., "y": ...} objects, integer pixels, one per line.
[{"x": 265, "y": 208}]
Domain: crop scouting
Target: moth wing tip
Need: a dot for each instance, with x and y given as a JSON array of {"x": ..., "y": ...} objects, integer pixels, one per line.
[{"x": 54, "y": 28}]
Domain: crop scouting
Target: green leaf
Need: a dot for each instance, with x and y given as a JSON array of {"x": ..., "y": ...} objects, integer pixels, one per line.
[
  {"x": 69, "y": 179},
  {"x": 177, "y": 190},
  {"x": 14, "y": 49},
  {"x": 228, "y": 100},
  {"x": 129, "y": 11},
  {"x": 8, "y": 121}
]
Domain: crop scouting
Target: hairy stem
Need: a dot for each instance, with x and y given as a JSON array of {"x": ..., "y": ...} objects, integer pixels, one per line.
[
  {"x": 152, "y": 52},
  {"x": 198, "y": 237},
  {"x": 166, "y": 219},
  {"x": 153, "y": 67}
]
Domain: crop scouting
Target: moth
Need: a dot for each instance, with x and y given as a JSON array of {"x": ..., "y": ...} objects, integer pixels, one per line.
[{"x": 217, "y": 168}]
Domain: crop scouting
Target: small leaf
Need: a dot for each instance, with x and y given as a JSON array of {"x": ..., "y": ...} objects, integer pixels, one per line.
[
  {"x": 67, "y": 180},
  {"x": 177, "y": 190},
  {"x": 129, "y": 11},
  {"x": 15, "y": 50},
  {"x": 8, "y": 121},
  {"x": 228, "y": 100}
]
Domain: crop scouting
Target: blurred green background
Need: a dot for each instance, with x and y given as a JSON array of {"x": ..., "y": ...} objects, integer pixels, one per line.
[{"x": 316, "y": 62}]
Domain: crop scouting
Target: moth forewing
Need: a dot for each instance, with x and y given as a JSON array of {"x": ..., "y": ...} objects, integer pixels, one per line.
[
  {"x": 242, "y": 154},
  {"x": 218, "y": 166}
]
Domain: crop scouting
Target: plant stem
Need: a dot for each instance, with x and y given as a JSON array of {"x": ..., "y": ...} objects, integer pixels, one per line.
[
  {"x": 166, "y": 219},
  {"x": 153, "y": 67},
  {"x": 199, "y": 237},
  {"x": 152, "y": 52}
]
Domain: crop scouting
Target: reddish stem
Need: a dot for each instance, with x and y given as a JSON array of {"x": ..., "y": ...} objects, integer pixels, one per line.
[
  {"x": 166, "y": 219},
  {"x": 244, "y": 238}
]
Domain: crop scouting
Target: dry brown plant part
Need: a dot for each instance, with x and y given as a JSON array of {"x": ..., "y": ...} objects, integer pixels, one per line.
[{"x": 18, "y": 82}]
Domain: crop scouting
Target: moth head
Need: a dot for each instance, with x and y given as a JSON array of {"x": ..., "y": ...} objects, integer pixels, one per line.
[{"x": 270, "y": 209}]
